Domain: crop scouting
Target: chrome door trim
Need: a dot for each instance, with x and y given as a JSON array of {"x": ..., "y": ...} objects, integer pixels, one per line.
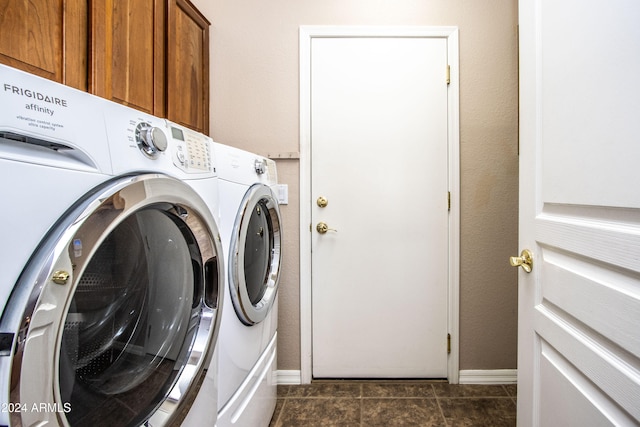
[
  {"x": 247, "y": 312},
  {"x": 38, "y": 306}
]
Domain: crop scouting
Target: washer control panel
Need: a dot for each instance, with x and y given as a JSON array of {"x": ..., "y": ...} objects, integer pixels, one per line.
[
  {"x": 191, "y": 150},
  {"x": 150, "y": 139},
  {"x": 140, "y": 142}
]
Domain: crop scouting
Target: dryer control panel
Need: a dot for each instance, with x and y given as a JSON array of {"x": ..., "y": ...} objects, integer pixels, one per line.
[{"x": 191, "y": 150}]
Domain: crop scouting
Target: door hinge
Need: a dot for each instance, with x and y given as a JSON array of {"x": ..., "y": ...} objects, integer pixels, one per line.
[
  {"x": 448, "y": 343},
  {"x": 449, "y": 200},
  {"x": 448, "y": 74}
]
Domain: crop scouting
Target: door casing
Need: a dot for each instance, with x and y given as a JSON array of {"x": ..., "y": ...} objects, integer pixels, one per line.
[{"x": 307, "y": 33}]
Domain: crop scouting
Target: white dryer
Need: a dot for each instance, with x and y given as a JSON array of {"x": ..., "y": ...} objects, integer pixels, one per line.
[
  {"x": 251, "y": 233},
  {"x": 111, "y": 295},
  {"x": 193, "y": 152}
]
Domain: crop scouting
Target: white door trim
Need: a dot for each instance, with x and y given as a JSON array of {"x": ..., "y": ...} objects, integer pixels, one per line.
[{"x": 307, "y": 33}]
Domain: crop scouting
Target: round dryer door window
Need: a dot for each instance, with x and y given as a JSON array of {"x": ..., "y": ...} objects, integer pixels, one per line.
[
  {"x": 255, "y": 255},
  {"x": 127, "y": 317}
]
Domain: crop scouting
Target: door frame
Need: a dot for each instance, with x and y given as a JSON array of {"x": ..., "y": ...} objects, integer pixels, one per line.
[{"x": 306, "y": 34}]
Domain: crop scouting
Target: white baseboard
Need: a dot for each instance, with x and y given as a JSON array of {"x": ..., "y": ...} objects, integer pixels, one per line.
[
  {"x": 495, "y": 376},
  {"x": 291, "y": 377},
  {"x": 471, "y": 376}
]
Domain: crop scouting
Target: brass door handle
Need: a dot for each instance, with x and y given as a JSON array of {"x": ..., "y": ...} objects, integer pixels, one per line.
[
  {"x": 525, "y": 260},
  {"x": 322, "y": 228}
]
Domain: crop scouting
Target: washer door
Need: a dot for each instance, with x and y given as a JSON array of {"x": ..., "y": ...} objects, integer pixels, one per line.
[
  {"x": 254, "y": 256},
  {"x": 116, "y": 317}
]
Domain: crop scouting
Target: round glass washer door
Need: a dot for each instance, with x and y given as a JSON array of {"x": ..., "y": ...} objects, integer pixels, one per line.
[
  {"x": 254, "y": 255},
  {"x": 120, "y": 309}
]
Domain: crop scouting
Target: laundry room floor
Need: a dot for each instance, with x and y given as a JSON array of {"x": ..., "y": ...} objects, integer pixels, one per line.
[{"x": 394, "y": 403}]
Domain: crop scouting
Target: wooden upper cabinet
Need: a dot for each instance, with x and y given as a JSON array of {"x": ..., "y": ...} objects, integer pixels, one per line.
[
  {"x": 47, "y": 38},
  {"x": 188, "y": 75},
  {"x": 128, "y": 53},
  {"x": 152, "y": 55},
  {"x": 31, "y": 36}
]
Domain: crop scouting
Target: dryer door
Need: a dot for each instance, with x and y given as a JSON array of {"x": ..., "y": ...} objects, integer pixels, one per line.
[
  {"x": 254, "y": 255},
  {"x": 114, "y": 320}
]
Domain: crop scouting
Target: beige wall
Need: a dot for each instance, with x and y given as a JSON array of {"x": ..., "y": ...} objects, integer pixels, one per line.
[{"x": 254, "y": 105}]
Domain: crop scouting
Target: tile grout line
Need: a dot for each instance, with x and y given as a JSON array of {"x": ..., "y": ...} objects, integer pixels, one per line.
[
  {"x": 514, "y": 399},
  {"x": 284, "y": 403},
  {"x": 361, "y": 403},
  {"x": 439, "y": 406}
]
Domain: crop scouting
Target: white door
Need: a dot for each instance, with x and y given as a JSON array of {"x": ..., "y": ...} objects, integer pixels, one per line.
[
  {"x": 379, "y": 158},
  {"x": 579, "y": 308}
]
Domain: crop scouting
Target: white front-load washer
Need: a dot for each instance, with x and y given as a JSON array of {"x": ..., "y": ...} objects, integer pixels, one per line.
[
  {"x": 113, "y": 269},
  {"x": 251, "y": 233}
]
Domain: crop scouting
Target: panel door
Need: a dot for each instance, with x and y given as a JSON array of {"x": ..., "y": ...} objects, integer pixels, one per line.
[{"x": 579, "y": 307}]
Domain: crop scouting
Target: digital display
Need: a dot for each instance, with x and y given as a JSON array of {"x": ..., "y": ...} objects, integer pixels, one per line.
[{"x": 177, "y": 134}]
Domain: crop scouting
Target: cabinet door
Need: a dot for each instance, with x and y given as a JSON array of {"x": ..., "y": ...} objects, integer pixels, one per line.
[
  {"x": 128, "y": 55},
  {"x": 188, "y": 70},
  {"x": 39, "y": 35}
]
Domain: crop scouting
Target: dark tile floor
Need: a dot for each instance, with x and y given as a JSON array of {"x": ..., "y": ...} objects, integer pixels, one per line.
[{"x": 394, "y": 403}]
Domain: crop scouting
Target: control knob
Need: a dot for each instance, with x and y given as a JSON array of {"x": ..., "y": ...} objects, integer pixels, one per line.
[
  {"x": 151, "y": 140},
  {"x": 261, "y": 166}
]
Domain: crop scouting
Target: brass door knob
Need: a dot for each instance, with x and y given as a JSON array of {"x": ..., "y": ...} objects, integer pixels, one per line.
[
  {"x": 322, "y": 228},
  {"x": 525, "y": 260},
  {"x": 322, "y": 202}
]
